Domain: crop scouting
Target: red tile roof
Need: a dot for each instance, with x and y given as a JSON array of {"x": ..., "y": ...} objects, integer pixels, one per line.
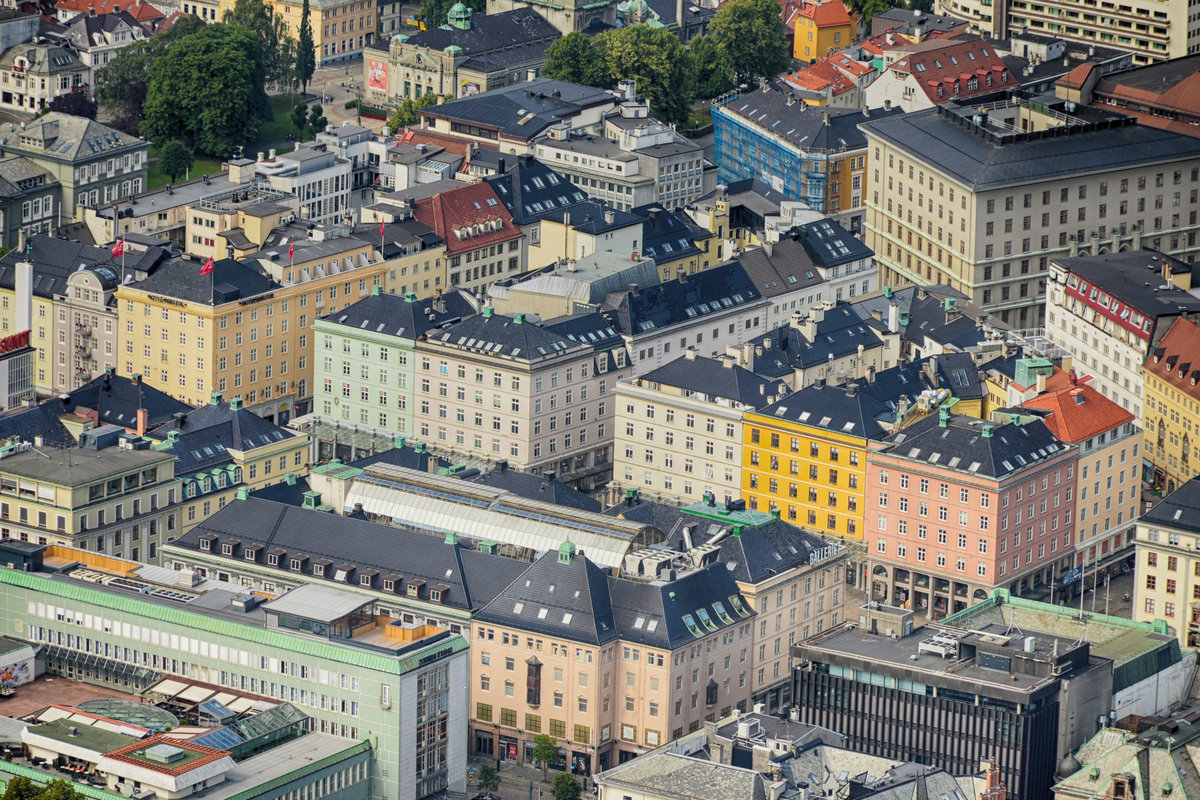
[
  {"x": 829, "y": 14},
  {"x": 955, "y": 62},
  {"x": 474, "y": 207},
  {"x": 171, "y": 19},
  {"x": 821, "y": 76},
  {"x": 849, "y": 66},
  {"x": 126, "y": 754},
  {"x": 1176, "y": 360},
  {"x": 461, "y": 147},
  {"x": 1078, "y": 412},
  {"x": 1076, "y": 77}
]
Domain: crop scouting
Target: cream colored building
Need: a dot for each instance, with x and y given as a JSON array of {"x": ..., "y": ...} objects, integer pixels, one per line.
[
  {"x": 988, "y": 221},
  {"x": 1167, "y": 575},
  {"x": 496, "y": 387},
  {"x": 678, "y": 431}
]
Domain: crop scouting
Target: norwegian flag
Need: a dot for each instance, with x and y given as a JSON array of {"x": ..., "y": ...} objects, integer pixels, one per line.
[
  {"x": 119, "y": 249},
  {"x": 380, "y": 229},
  {"x": 290, "y": 248},
  {"x": 208, "y": 267}
]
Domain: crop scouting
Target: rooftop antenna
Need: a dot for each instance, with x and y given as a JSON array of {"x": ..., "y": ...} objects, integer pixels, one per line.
[{"x": 1012, "y": 624}]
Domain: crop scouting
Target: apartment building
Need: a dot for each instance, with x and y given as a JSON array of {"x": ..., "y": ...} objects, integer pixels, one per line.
[
  {"x": 495, "y": 387},
  {"x": 96, "y": 39},
  {"x": 675, "y": 242},
  {"x": 678, "y": 428},
  {"x": 1100, "y": 310},
  {"x": 1109, "y": 441},
  {"x": 958, "y": 506},
  {"x": 364, "y": 364},
  {"x": 482, "y": 243},
  {"x": 822, "y": 28},
  {"x": 609, "y": 667},
  {"x": 815, "y": 155},
  {"x": 1172, "y": 402},
  {"x": 108, "y": 495},
  {"x": 990, "y": 231},
  {"x": 351, "y": 669},
  {"x": 29, "y": 198},
  {"x": 1167, "y": 572},
  {"x": 1152, "y": 31}
]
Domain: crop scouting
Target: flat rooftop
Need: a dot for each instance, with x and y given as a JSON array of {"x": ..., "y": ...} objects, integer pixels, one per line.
[
  {"x": 278, "y": 761},
  {"x": 33, "y": 697},
  {"x": 1155, "y": 78},
  {"x": 77, "y": 467},
  {"x": 313, "y": 601}
]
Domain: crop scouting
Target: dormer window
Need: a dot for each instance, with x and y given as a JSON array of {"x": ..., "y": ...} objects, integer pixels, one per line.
[
  {"x": 295, "y": 564},
  {"x": 319, "y": 570},
  {"x": 273, "y": 560},
  {"x": 389, "y": 585},
  {"x": 206, "y": 544},
  {"x": 251, "y": 554},
  {"x": 435, "y": 595},
  {"x": 226, "y": 549},
  {"x": 365, "y": 580}
]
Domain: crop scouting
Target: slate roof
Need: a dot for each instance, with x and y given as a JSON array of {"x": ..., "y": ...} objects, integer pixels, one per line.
[
  {"x": 83, "y": 29},
  {"x": 530, "y": 190},
  {"x": 780, "y": 269},
  {"x": 19, "y": 174},
  {"x": 828, "y": 244},
  {"x": 405, "y": 317},
  {"x": 289, "y": 491},
  {"x": 656, "y": 307},
  {"x": 802, "y": 126},
  {"x": 501, "y": 334},
  {"x": 206, "y": 433},
  {"x": 407, "y": 456},
  {"x": 1079, "y": 412},
  {"x": 536, "y": 487},
  {"x": 1123, "y": 276},
  {"x": 592, "y": 217},
  {"x": 714, "y": 378},
  {"x": 593, "y": 329},
  {"x": 839, "y": 333},
  {"x": 522, "y": 111},
  {"x": 474, "y": 578},
  {"x": 496, "y": 60},
  {"x": 961, "y": 445},
  {"x": 25, "y": 425},
  {"x": 761, "y": 552},
  {"x": 62, "y": 137},
  {"x": 1180, "y": 509},
  {"x": 116, "y": 399},
  {"x": 55, "y": 259},
  {"x": 475, "y": 207},
  {"x": 983, "y": 162},
  {"x": 676, "y": 606},
  {"x": 229, "y": 281},
  {"x": 1176, "y": 359},
  {"x": 836, "y": 409},
  {"x": 666, "y": 235},
  {"x": 487, "y": 33},
  {"x": 958, "y": 373},
  {"x": 671, "y": 774}
]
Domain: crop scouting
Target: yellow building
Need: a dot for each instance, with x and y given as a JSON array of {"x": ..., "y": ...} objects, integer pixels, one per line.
[
  {"x": 340, "y": 28},
  {"x": 1171, "y": 406},
  {"x": 1167, "y": 583},
  {"x": 805, "y": 456},
  {"x": 242, "y": 330},
  {"x": 822, "y": 28}
]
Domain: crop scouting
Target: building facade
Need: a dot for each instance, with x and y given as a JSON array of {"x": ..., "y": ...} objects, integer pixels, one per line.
[
  {"x": 1172, "y": 402},
  {"x": 1167, "y": 575}
]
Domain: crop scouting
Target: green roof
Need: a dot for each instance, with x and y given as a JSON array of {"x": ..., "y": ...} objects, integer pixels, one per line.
[
  {"x": 336, "y": 469},
  {"x": 87, "y": 736},
  {"x": 222, "y": 627}
]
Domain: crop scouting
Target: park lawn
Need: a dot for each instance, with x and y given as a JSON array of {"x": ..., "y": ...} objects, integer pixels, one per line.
[
  {"x": 281, "y": 125},
  {"x": 699, "y": 118},
  {"x": 201, "y": 165}
]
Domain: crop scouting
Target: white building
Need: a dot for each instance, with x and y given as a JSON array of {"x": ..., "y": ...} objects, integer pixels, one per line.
[{"x": 315, "y": 174}]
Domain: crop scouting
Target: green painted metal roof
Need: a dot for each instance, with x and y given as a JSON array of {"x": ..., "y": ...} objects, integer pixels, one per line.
[
  {"x": 222, "y": 627},
  {"x": 283, "y": 780},
  {"x": 37, "y": 776}
]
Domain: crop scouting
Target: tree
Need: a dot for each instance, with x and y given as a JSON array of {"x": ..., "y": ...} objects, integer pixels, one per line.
[
  {"x": 403, "y": 116},
  {"x": 207, "y": 91},
  {"x": 300, "y": 119},
  {"x": 435, "y": 12},
  {"x": 489, "y": 780},
  {"x": 566, "y": 787},
  {"x": 869, "y": 8},
  {"x": 656, "y": 60},
  {"x": 545, "y": 750},
  {"x": 121, "y": 84},
  {"x": 306, "y": 53},
  {"x": 574, "y": 58},
  {"x": 278, "y": 49},
  {"x": 75, "y": 103},
  {"x": 712, "y": 73},
  {"x": 21, "y": 788},
  {"x": 752, "y": 37},
  {"x": 174, "y": 159},
  {"x": 316, "y": 118}
]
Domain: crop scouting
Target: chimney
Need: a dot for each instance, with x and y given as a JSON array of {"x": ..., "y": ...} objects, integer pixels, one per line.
[
  {"x": 609, "y": 216},
  {"x": 143, "y": 421},
  {"x": 500, "y": 165},
  {"x": 1041, "y": 383},
  {"x": 24, "y": 296},
  {"x": 690, "y": 354},
  {"x": 633, "y": 289},
  {"x": 894, "y": 318}
]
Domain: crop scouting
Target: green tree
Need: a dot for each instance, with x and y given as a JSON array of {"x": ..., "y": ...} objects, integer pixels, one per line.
[
  {"x": 869, "y": 8},
  {"x": 404, "y": 116},
  {"x": 278, "y": 49},
  {"x": 121, "y": 84},
  {"x": 752, "y": 37},
  {"x": 316, "y": 118},
  {"x": 712, "y": 73},
  {"x": 434, "y": 12},
  {"x": 207, "y": 91},
  {"x": 545, "y": 750},
  {"x": 566, "y": 787},
  {"x": 21, "y": 788},
  {"x": 77, "y": 104},
  {"x": 306, "y": 53},
  {"x": 656, "y": 60},
  {"x": 300, "y": 119},
  {"x": 574, "y": 58},
  {"x": 175, "y": 159},
  {"x": 59, "y": 789},
  {"x": 488, "y": 780}
]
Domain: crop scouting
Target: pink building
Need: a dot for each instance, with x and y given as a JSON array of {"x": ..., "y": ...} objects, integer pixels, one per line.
[{"x": 957, "y": 506}]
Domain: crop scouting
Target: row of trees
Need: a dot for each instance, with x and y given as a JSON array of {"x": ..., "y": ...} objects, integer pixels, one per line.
[
  {"x": 745, "y": 40},
  {"x": 205, "y": 85}
]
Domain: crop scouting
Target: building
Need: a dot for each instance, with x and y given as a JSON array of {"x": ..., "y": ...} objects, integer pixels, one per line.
[
  {"x": 495, "y": 387},
  {"x": 1110, "y": 446},
  {"x": 1020, "y": 199},
  {"x": 16, "y": 371},
  {"x": 678, "y": 428},
  {"x": 915, "y": 26},
  {"x": 572, "y": 16},
  {"x": 512, "y": 118},
  {"x": 1165, "y": 581},
  {"x": 822, "y": 28},
  {"x": 482, "y": 243},
  {"x": 366, "y": 352},
  {"x": 938, "y": 71},
  {"x": 1004, "y": 664},
  {"x": 585, "y": 687},
  {"x": 317, "y": 176},
  {"x": 1099, "y": 309},
  {"x": 815, "y": 155},
  {"x": 675, "y": 243},
  {"x": 324, "y": 632},
  {"x": 94, "y": 164},
  {"x": 95, "y": 39},
  {"x": 106, "y": 496},
  {"x": 581, "y": 230},
  {"x": 575, "y": 287},
  {"x": 685, "y": 21},
  {"x": 1151, "y": 32},
  {"x": 1158, "y": 94},
  {"x": 835, "y": 81},
  {"x": 475, "y": 52},
  {"x": 1118, "y": 760},
  {"x": 35, "y": 72},
  {"x": 29, "y": 198},
  {"x": 1171, "y": 401}
]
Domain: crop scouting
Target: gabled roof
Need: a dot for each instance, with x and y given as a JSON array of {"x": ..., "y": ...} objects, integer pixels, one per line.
[
  {"x": 710, "y": 291},
  {"x": 1176, "y": 359},
  {"x": 511, "y": 336},
  {"x": 673, "y": 614},
  {"x": 536, "y": 487},
  {"x": 404, "y": 317},
  {"x": 1079, "y": 412},
  {"x": 486, "y": 33},
  {"x": 835, "y": 408},
  {"x": 467, "y": 218},
  {"x": 530, "y": 190},
  {"x": 828, "y": 14},
  {"x": 206, "y": 434},
  {"x": 666, "y": 236},
  {"x": 804, "y": 127},
  {"x": 716, "y": 379},
  {"x": 821, "y": 76},
  {"x": 975, "y": 447},
  {"x": 839, "y": 332},
  {"x": 955, "y": 62}
]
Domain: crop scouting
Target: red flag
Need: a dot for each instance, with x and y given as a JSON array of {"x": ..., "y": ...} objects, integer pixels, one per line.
[
  {"x": 208, "y": 267},
  {"x": 381, "y": 229},
  {"x": 119, "y": 249},
  {"x": 290, "y": 248}
]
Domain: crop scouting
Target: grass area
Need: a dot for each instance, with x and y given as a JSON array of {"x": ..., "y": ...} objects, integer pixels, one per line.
[
  {"x": 281, "y": 125},
  {"x": 201, "y": 166},
  {"x": 699, "y": 118}
]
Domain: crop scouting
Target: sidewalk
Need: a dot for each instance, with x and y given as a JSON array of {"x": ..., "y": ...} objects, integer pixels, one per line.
[{"x": 516, "y": 780}]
